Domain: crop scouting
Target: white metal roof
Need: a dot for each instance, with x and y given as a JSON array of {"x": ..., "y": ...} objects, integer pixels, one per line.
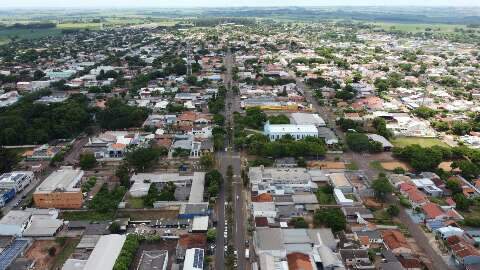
[{"x": 105, "y": 252}]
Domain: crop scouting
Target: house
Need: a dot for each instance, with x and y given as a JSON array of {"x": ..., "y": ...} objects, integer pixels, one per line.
[
  {"x": 396, "y": 242},
  {"x": 463, "y": 252},
  {"x": 356, "y": 259},
  {"x": 427, "y": 186},
  {"x": 298, "y": 132},
  {"x": 327, "y": 135},
  {"x": 386, "y": 145},
  {"x": 446, "y": 232},
  {"x": 340, "y": 181}
]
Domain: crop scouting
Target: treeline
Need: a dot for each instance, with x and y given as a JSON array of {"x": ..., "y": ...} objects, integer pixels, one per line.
[
  {"x": 28, "y": 26},
  {"x": 28, "y": 122},
  {"x": 118, "y": 115}
]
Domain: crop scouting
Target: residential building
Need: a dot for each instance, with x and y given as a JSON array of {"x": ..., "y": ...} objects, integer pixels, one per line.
[{"x": 17, "y": 180}]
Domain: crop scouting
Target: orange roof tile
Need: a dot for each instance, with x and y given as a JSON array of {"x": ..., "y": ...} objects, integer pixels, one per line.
[{"x": 299, "y": 261}]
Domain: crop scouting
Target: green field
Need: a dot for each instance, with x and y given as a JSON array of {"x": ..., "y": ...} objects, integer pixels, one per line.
[
  {"x": 415, "y": 27},
  {"x": 424, "y": 142},
  {"x": 8, "y": 34}
]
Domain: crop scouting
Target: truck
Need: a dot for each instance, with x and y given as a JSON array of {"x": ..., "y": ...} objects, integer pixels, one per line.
[{"x": 247, "y": 253}]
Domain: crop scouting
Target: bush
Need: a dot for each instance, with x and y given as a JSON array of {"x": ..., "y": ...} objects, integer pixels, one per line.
[{"x": 127, "y": 253}]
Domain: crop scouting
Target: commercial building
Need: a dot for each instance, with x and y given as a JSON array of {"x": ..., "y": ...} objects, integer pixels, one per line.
[
  {"x": 281, "y": 180},
  {"x": 14, "y": 222},
  {"x": 17, "y": 180},
  {"x": 60, "y": 190},
  {"x": 307, "y": 119},
  {"x": 298, "y": 132}
]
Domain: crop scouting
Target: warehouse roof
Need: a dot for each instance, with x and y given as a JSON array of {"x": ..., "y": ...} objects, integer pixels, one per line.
[
  {"x": 42, "y": 227},
  {"x": 269, "y": 239},
  {"x": 105, "y": 252},
  {"x": 307, "y": 119},
  {"x": 63, "y": 180},
  {"x": 15, "y": 217},
  {"x": 200, "y": 223}
]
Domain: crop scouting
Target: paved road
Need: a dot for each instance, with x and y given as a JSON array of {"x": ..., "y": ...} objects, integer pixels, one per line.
[
  {"x": 226, "y": 159},
  {"x": 363, "y": 162}
]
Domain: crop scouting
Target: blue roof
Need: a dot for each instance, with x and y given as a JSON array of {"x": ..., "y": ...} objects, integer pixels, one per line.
[{"x": 9, "y": 254}]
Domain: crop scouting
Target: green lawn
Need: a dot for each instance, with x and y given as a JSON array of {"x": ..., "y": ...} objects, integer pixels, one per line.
[
  {"x": 324, "y": 196},
  {"x": 135, "y": 203},
  {"x": 353, "y": 166},
  {"x": 87, "y": 215},
  {"x": 7, "y": 34},
  {"x": 424, "y": 142},
  {"x": 91, "y": 26}
]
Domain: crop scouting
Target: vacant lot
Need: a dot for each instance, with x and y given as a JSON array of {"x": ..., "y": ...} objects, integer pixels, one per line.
[
  {"x": 424, "y": 142},
  {"x": 169, "y": 245},
  {"x": 39, "y": 253},
  {"x": 392, "y": 165}
]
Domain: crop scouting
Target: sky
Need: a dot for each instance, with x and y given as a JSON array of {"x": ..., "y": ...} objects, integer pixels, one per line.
[{"x": 225, "y": 3}]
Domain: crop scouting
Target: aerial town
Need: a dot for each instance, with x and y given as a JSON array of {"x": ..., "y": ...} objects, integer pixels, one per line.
[{"x": 234, "y": 143}]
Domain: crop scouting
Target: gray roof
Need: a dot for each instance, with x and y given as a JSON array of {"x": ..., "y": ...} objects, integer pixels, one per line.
[
  {"x": 15, "y": 217},
  {"x": 326, "y": 236},
  {"x": 353, "y": 253},
  {"x": 296, "y": 236},
  {"x": 41, "y": 226},
  {"x": 305, "y": 198},
  {"x": 268, "y": 239},
  {"x": 391, "y": 266},
  {"x": 88, "y": 241},
  {"x": 326, "y": 133},
  {"x": 370, "y": 234},
  {"x": 380, "y": 139}
]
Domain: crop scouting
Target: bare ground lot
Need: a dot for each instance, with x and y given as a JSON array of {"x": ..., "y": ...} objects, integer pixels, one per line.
[
  {"x": 149, "y": 214},
  {"x": 169, "y": 245}
]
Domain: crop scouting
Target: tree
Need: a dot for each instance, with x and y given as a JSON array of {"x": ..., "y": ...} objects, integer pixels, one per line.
[
  {"x": 424, "y": 112},
  {"x": 333, "y": 218},
  {"x": 299, "y": 223},
  {"x": 118, "y": 115},
  {"x": 8, "y": 159},
  {"x": 461, "y": 128},
  {"x": 87, "y": 161},
  {"x": 211, "y": 235},
  {"x": 207, "y": 161},
  {"x": 469, "y": 170},
  {"x": 454, "y": 186},
  {"x": 38, "y": 74},
  {"x": 462, "y": 202},
  {"x": 143, "y": 158},
  {"x": 381, "y": 187},
  {"x": 393, "y": 210},
  {"x": 52, "y": 251},
  {"x": 357, "y": 142},
  {"x": 114, "y": 228}
]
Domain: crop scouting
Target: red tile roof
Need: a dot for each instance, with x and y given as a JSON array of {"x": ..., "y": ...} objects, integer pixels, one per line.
[
  {"x": 432, "y": 210},
  {"x": 394, "y": 239},
  {"x": 264, "y": 197},
  {"x": 299, "y": 261}
]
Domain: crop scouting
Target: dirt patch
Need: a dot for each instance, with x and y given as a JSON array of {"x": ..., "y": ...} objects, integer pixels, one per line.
[
  {"x": 392, "y": 165},
  {"x": 169, "y": 245},
  {"x": 372, "y": 203},
  {"x": 139, "y": 214},
  {"x": 38, "y": 252}
]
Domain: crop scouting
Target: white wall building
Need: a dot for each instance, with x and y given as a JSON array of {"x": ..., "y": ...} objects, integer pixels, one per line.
[
  {"x": 298, "y": 132},
  {"x": 17, "y": 180}
]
